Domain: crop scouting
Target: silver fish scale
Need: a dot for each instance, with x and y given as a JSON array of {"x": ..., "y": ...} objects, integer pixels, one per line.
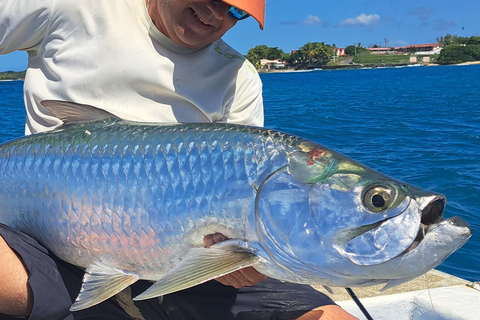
[{"x": 134, "y": 196}]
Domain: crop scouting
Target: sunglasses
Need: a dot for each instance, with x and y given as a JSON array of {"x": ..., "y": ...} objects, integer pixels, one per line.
[{"x": 236, "y": 13}]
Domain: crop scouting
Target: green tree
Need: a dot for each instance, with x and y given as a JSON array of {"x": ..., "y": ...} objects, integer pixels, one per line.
[
  {"x": 254, "y": 55},
  {"x": 473, "y": 40},
  {"x": 453, "y": 54},
  {"x": 254, "y": 58},
  {"x": 452, "y": 39},
  {"x": 275, "y": 53},
  {"x": 350, "y": 50},
  {"x": 311, "y": 55},
  {"x": 293, "y": 58},
  {"x": 355, "y": 50}
]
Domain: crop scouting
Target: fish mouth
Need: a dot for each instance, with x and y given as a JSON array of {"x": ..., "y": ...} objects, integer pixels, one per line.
[
  {"x": 432, "y": 216},
  {"x": 393, "y": 237},
  {"x": 442, "y": 239}
]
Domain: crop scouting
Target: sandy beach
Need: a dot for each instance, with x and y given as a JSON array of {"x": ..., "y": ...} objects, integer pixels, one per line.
[{"x": 469, "y": 63}]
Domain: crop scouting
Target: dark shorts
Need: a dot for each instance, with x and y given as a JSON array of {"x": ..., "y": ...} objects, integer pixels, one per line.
[{"x": 56, "y": 284}]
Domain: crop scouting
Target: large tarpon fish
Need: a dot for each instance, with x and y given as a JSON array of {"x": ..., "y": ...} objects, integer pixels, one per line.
[{"x": 129, "y": 201}]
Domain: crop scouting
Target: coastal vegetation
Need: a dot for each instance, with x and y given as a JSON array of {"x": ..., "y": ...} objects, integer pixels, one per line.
[
  {"x": 459, "y": 49},
  {"x": 381, "y": 59},
  {"x": 453, "y": 54},
  {"x": 356, "y": 50},
  {"x": 12, "y": 75},
  {"x": 457, "y": 40},
  {"x": 310, "y": 56},
  {"x": 254, "y": 55},
  {"x": 456, "y": 49}
]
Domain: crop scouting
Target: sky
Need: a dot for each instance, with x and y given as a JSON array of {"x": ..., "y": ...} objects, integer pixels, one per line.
[{"x": 291, "y": 24}]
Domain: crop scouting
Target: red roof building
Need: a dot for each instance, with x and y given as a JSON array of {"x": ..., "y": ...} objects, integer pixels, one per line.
[{"x": 418, "y": 49}]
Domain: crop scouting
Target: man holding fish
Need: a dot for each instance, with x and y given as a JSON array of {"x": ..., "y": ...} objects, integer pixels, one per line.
[{"x": 155, "y": 61}]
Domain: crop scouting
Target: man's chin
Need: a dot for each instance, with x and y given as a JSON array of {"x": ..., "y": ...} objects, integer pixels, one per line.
[{"x": 192, "y": 42}]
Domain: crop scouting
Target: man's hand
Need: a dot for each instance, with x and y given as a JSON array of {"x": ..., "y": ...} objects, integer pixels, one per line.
[
  {"x": 328, "y": 312},
  {"x": 242, "y": 278}
]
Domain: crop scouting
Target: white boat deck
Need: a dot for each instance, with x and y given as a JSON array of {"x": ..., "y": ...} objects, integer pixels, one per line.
[{"x": 434, "y": 296}]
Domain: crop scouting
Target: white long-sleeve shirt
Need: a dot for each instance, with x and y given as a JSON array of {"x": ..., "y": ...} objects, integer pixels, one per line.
[{"x": 109, "y": 54}]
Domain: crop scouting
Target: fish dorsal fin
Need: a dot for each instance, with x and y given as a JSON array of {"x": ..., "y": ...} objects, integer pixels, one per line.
[
  {"x": 75, "y": 113},
  {"x": 100, "y": 283},
  {"x": 200, "y": 265}
]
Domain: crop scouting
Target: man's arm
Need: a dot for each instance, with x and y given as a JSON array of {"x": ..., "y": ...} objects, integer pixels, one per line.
[
  {"x": 23, "y": 24},
  {"x": 15, "y": 293}
]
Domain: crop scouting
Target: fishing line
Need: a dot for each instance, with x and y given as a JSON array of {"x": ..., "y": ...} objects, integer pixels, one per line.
[
  {"x": 359, "y": 304},
  {"x": 429, "y": 293},
  {"x": 426, "y": 281}
]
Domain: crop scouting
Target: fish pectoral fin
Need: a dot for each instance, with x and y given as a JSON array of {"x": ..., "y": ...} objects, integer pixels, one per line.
[
  {"x": 101, "y": 282},
  {"x": 75, "y": 113},
  {"x": 198, "y": 266}
]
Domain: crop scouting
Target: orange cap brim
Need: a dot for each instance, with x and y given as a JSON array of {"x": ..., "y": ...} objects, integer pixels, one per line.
[{"x": 256, "y": 8}]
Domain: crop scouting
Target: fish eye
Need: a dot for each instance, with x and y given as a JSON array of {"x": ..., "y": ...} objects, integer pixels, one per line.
[{"x": 377, "y": 198}]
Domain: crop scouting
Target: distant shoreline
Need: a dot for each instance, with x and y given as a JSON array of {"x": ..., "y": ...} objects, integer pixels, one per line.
[
  {"x": 358, "y": 66},
  {"x": 340, "y": 67}
]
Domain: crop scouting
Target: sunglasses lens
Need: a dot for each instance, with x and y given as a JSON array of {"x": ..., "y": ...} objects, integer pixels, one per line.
[{"x": 237, "y": 13}]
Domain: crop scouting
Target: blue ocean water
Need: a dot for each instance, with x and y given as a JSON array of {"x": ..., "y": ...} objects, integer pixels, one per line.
[{"x": 417, "y": 124}]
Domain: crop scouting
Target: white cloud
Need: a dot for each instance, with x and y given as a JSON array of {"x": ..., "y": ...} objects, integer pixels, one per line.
[
  {"x": 308, "y": 21},
  {"x": 361, "y": 20},
  {"x": 311, "y": 20}
]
